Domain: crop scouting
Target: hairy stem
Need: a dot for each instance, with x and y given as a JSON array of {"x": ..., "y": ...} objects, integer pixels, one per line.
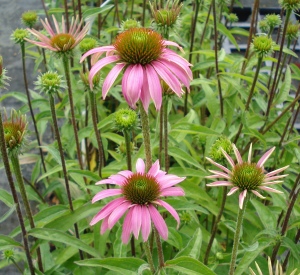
[{"x": 149, "y": 256}]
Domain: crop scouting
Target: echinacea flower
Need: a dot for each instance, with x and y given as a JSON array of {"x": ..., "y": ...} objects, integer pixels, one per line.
[
  {"x": 59, "y": 40},
  {"x": 246, "y": 176},
  {"x": 146, "y": 59},
  {"x": 140, "y": 195}
]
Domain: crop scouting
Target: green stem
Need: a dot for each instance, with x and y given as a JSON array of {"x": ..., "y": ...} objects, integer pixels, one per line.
[
  {"x": 146, "y": 136},
  {"x": 237, "y": 235},
  {"x": 15, "y": 197},
  {"x": 149, "y": 256},
  {"x": 160, "y": 252},
  {"x": 67, "y": 73},
  {"x": 166, "y": 153},
  {"x": 63, "y": 164}
]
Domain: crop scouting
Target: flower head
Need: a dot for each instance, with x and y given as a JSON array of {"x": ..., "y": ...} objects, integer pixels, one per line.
[
  {"x": 216, "y": 151},
  {"x": 140, "y": 194},
  {"x": 19, "y": 36},
  {"x": 14, "y": 131},
  {"x": 29, "y": 18},
  {"x": 264, "y": 26},
  {"x": 290, "y": 4},
  {"x": 145, "y": 58},
  {"x": 273, "y": 20},
  {"x": 232, "y": 17},
  {"x": 292, "y": 31},
  {"x": 59, "y": 40},
  {"x": 129, "y": 24},
  {"x": 246, "y": 176},
  {"x": 262, "y": 45},
  {"x": 125, "y": 120},
  {"x": 87, "y": 44},
  {"x": 50, "y": 83},
  {"x": 3, "y": 77}
]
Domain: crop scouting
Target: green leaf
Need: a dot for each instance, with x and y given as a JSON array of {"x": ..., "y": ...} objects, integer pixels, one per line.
[
  {"x": 54, "y": 153},
  {"x": 285, "y": 50},
  {"x": 265, "y": 214},
  {"x": 294, "y": 248},
  {"x": 59, "y": 236},
  {"x": 120, "y": 249},
  {"x": 8, "y": 242},
  {"x": 176, "y": 152},
  {"x": 222, "y": 29},
  {"x": 85, "y": 173},
  {"x": 284, "y": 87},
  {"x": 188, "y": 266},
  {"x": 182, "y": 204},
  {"x": 193, "y": 248},
  {"x": 8, "y": 213},
  {"x": 6, "y": 198},
  {"x": 125, "y": 266},
  {"x": 190, "y": 128},
  {"x": 95, "y": 11}
]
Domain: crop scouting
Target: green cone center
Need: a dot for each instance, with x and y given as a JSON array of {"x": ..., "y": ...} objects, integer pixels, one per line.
[{"x": 63, "y": 41}]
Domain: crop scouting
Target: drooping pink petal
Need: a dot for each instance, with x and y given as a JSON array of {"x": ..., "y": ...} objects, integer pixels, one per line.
[
  {"x": 276, "y": 171},
  {"x": 242, "y": 197},
  {"x": 125, "y": 173},
  {"x": 172, "y": 191},
  {"x": 258, "y": 194},
  {"x": 145, "y": 96},
  {"x": 55, "y": 24},
  {"x": 146, "y": 223},
  {"x": 272, "y": 182},
  {"x": 48, "y": 28},
  {"x": 127, "y": 227},
  {"x": 113, "y": 179},
  {"x": 250, "y": 153},
  {"x": 168, "y": 77},
  {"x": 117, "y": 213},
  {"x": 158, "y": 222},
  {"x": 140, "y": 166},
  {"x": 167, "y": 181},
  {"x": 219, "y": 173},
  {"x": 154, "y": 169},
  {"x": 154, "y": 86},
  {"x": 237, "y": 154},
  {"x": 106, "y": 210},
  {"x": 171, "y": 43},
  {"x": 218, "y": 165},
  {"x": 232, "y": 190},
  {"x": 219, "y": 183},
  {"x": 111, "y": 77},
  {"x": 106, "y": 193},
  {"x": 136, "y": 220},
  {"x": 171, "y": 210},
  {"x": 275, "y": 177},
  {"x": 229, "y": 159},
  {"x": 265, "y": 157},
  {"x": 104, "y": 226},
  {"x": 269, "y": 189},
  {"x": 98, "y": 50},
  {"x": 99, "y": 65}
]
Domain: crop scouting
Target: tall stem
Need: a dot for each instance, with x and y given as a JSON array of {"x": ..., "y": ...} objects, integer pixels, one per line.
[
  {"x": 30, "y": 106},
  {"x": 149, "y": 256},
  {"x": 166, "y": 153},
  {"x": 63, "y": 164},
  {"x": 15, "y": 197},
  {"x": 67, "y": 73},
  {"x": 237, "y": 235},
  {"x": 160, "y": 252},
  {"x": 146, "y": 136}
]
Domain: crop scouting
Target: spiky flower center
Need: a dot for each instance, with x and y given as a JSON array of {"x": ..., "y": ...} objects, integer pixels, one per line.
[
  {"x": 141, "y": 189},
  {"x": 247, "y": 176},
  {"x": 139, "y": 46},
  {"x": 63, "y": 41}
]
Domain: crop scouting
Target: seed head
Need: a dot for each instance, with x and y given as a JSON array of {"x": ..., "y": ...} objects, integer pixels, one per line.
[
  {"x": 29, "y": 18},
  {"x": 19, "y": 36},
  {"x": 125, "y": 120}
]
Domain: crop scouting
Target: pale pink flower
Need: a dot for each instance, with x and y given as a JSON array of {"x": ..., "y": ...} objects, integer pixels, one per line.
[
  {"x": 246, "y": 176},
  {"x": 146, "y": 60},
  {"x": 59, "y": 39},
  {"x": 140, "y": 194}
]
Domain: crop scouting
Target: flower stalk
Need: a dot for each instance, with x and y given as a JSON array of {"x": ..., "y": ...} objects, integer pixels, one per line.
[{"x": 149, "y": 256}]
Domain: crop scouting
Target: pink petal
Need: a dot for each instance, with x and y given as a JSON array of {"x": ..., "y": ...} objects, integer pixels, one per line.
[
  {"x": 220, "y": 183},
  {"x": 111, "y": 77},
  {"x": 242, "y": 197},
  {"x": 229, "y": 159},
  {"x": 145, "y": 96},
  {"x": 154, "y": 86},
  {"x": 106, "y": 193},
  {"x": 117, "y": 213},
  {"x": 250, "y": 153},
  {"x": 172, "y": 191},
  {"x": 127, "y": 227},
  {"x": 219, "y": 165},
  {"x": 277, "y": 171},
  {"x": 146, "y": 223},
  {"x": 136, "y": 220},
  {"x": 171, "y": 43},
  {"x": 258, "y": 194},
  {"x": 104, "y": 225},
  {"x": 269, "y": 189},
  {"x": 99, "y": 65},
  {"x": 154, "y": 169},
  {"x": 140, "y": 166},
  {"x": 125, "y": 173},
  {"x": 168, "y": 77},
  {"x": 272, "y": 182},
  {"x": 97, "y": 50},
  {"x": 275, "y": 178},
  {"x": 264, "y": 158},
  {"x": 168, "y": 180},
  {"x": 171, "y": 210},
  {"x": 237, "y": 154},
  {"x": 158, "y": 222},
  {"x": 113, "y": 179},
  {"x": 106, "y": 210},
  {"x": 219, "y": 173},
  {"x": 232, "y": 190}
]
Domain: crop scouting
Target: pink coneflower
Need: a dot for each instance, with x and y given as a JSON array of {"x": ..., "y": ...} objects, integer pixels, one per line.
[
  {"x": 143, "y": 54},
  {"x": 246, "y": 176},
  {"x": 140, "y": 194},
  {"x": 59, "y": 40}
]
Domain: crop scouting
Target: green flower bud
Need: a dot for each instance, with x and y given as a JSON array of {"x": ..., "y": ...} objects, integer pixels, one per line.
[
  {"x": 292, "y": 31},
  {"x": 121, "y": 149},
  {"x": 264, "y": 26},
  {"x": 262, "y": 45},
  {"x": 9, "y": 254},
  {"x": 50, "y": 83},
  {"x": 129, "y": 24},
  {"x": 219, "y": 256},
  {"x": 273, "y": 20},
  {"x": 3, "y": 77},
  {"x": 185, "y": 217},
  {"x": 125, "y": 120},
  {"x": 293, "y": 5},
  {"x": 232, "y": 17},
  {"x": 97, "y": 81},
  {"x": 29, "y": 18},
  {"x": 87, "y": 44},
  {"x": 216, "y": 149},
  {"x": 19, "y": 36}
]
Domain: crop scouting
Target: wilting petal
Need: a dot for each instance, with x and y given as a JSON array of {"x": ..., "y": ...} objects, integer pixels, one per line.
[
  {"x": 219, "y": 183},
  {"x": 171, "y": 210},
  {"x": 218, "y": 165},
  {"x": 258, "y": 194},
  {"x": 140, "y": 166},
  {"x": 276, "y": 171},
  {"x": 269, "y": 189},
  {"x": 171, "y": 43},
  {"x": 158, "y": 222},
  {"x": 265, "y": 157},
  {"x": 106, "y": 193},
  {"x": 232, "y": 190},
  {"x": 242, "y": 197},
  {"x": 127, "y": 226},
  {"x": 146, "y": 223}
]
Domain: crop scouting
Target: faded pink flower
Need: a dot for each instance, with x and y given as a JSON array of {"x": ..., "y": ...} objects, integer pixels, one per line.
[
  {"x": 246, "y": 176},
  {"x": 140, "y": 194},
  {"x": 59, "y": 40},
  {"x": 143, "y": 54}
]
